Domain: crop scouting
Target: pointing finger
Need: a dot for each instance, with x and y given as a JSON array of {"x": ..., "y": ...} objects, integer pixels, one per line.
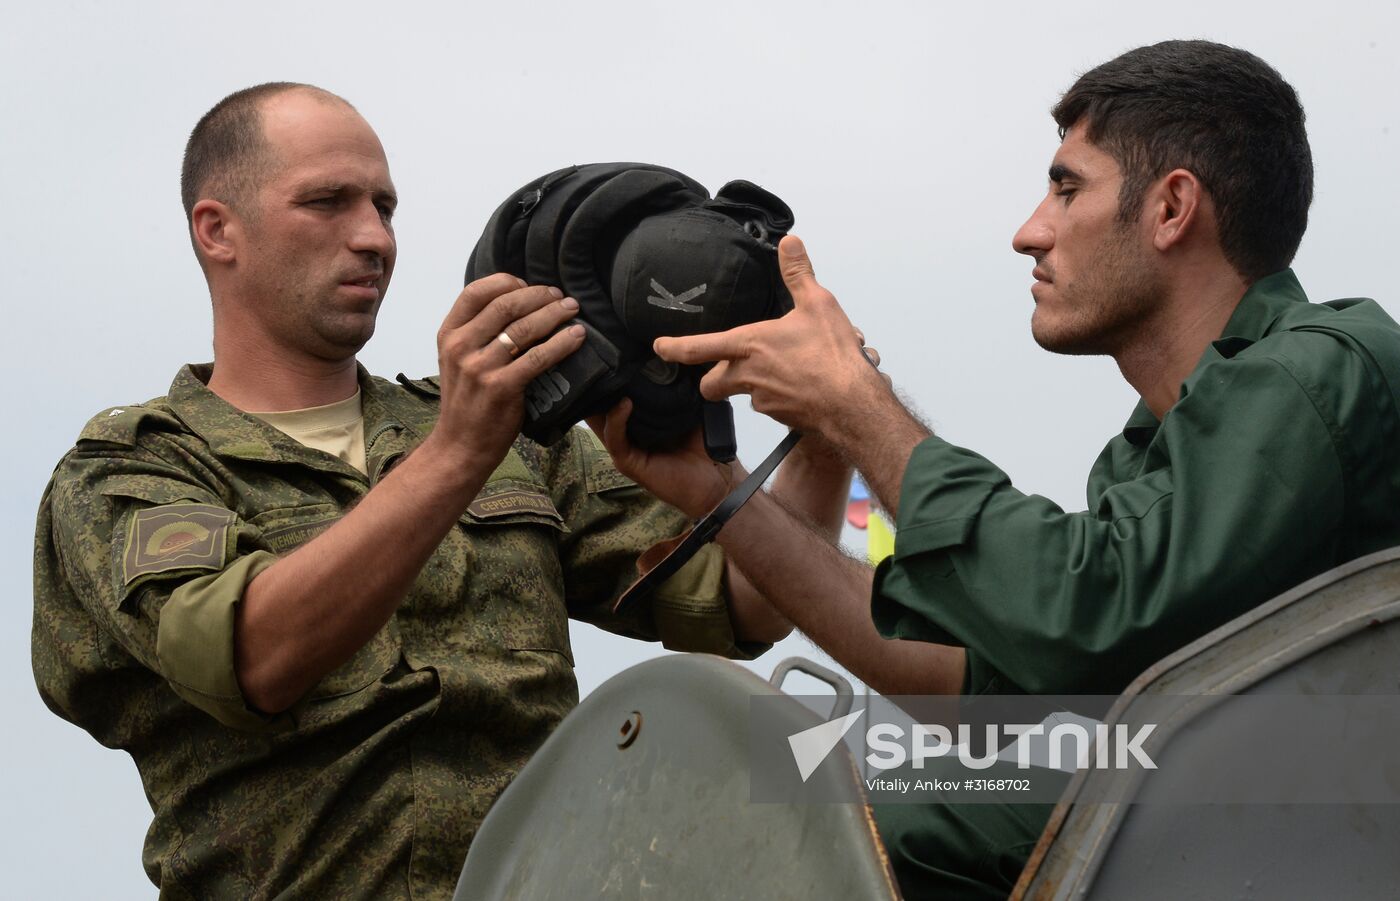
[{"x": 692, "y": 349}]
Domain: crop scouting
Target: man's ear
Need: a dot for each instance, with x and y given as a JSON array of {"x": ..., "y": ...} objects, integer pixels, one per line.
[
  {"x": 1178, "y": 207},
  {"x": 217, "y": 231}
]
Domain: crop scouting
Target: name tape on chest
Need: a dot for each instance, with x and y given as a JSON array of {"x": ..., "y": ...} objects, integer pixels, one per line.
[
  {"x": 289, "y": 538},
  {"x": 508, "y": 502}
]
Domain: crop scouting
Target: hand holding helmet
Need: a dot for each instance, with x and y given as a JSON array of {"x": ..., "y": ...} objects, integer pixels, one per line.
[{"x": 647, "y": 253}]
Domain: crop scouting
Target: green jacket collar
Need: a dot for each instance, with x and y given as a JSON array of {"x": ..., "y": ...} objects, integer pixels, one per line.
[
  {"x": 1259, "y": 310},
  {"x": 230, "y": 432},
  {"x": 1262, "y": 306}
]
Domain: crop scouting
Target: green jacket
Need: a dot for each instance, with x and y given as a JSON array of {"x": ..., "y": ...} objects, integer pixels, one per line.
[
  {"x": 1280, "y": 460},
  {"x": 374, "y": 784}
]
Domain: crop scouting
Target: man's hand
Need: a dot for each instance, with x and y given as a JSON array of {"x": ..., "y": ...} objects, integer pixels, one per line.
[
  {"x": 496, "y": 338},
  {"x": 808, "y": 370},
  {"x": 782, "y": 564},
  {"x": 805, "y": 370},
  {"x": 686, "y": 478}
]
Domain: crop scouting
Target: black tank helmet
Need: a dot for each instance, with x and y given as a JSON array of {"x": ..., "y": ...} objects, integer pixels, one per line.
[{"x": 646, "y": 252}]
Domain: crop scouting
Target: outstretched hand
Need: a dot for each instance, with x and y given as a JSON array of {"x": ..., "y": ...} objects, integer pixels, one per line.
[
  {"x": 686, "y": 477},
  {"x": 806, "y": 369}
]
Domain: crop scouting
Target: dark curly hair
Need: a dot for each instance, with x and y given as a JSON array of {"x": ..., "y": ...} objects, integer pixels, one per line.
[{"x": 1221, "y": 113}]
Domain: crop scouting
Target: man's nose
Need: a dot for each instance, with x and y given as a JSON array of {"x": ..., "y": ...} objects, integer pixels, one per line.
[
  {"x": 1035, "y": 237},
  {"x": 371, "y": 232}
]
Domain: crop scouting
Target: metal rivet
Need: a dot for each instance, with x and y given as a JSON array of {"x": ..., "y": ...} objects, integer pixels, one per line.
[{"x": 629, "y": 730}]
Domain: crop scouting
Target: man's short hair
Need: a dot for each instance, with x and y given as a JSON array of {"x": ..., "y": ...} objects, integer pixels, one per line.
[
  {"x": 1221, "y": 113},
  {"x": 227, "y": 155}
]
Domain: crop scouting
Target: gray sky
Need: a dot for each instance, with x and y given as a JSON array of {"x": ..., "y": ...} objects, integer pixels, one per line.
[{"x": 911, "y": 139}]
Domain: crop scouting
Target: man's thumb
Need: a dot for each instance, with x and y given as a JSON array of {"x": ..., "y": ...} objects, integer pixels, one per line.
[{"x": 794, "y": 264}]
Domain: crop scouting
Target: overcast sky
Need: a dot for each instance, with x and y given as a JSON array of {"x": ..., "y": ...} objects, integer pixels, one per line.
[{"x": 911, "y": 139}]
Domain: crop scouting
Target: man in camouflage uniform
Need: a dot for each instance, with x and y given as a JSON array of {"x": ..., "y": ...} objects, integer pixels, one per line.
[{"x": 326, "y": 669}]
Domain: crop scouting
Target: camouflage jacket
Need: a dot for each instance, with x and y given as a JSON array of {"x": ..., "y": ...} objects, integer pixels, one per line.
[{"x": 374, "y": 784}]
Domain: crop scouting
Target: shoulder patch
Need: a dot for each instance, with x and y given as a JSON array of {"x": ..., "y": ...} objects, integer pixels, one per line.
[
  {"x": 121, "y": 425},
  {"x": 176, "y": 536}
]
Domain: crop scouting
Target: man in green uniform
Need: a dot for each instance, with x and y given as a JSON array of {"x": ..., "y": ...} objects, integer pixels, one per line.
[
  {"x": 1264, "y": 449},
  {"x": 330, "y": 633}
]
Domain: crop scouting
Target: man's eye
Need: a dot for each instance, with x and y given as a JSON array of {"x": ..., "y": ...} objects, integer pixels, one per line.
[
  {"x": 322, "y": 202},
  {"x": 386, "y": 212},
  {"x": 1064, "y": 193}
]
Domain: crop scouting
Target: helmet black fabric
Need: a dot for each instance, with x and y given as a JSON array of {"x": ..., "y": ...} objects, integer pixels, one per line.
[{"x": 646, "y": 252}]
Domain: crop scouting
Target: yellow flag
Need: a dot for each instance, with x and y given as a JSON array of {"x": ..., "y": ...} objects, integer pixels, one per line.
[{"x": 879, "y": 538}]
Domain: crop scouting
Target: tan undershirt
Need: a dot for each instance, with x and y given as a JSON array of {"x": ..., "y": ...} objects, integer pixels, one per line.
[{"x": 338, "y": 429}]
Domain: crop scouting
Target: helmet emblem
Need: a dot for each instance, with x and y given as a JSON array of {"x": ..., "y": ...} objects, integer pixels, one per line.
[{"x": 681, "y": 302}]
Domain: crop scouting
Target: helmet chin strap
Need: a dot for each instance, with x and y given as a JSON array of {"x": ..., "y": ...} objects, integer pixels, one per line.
[
  {"x": 717, "y": 424},
  {"x": 708, "y": 527}
]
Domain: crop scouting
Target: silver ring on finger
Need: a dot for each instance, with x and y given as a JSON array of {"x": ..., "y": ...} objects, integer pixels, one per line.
[{"x": 509, "y": 342}]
